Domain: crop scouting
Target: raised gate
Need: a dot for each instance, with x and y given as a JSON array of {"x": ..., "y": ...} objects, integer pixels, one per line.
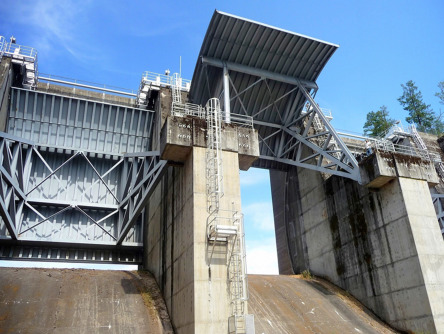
[{"x": 75, "y": 178}]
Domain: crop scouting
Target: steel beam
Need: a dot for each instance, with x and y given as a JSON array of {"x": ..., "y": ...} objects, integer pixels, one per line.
[
  {"x": 259, "y": 72},
  {"x": 354, "y": 172}
]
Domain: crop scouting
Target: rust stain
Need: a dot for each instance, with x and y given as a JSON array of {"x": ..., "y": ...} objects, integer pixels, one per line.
[{"x": 12, "y": 287}]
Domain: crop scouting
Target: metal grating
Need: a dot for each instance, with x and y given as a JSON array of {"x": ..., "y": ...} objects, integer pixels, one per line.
[{"x": 70, "y": 254}]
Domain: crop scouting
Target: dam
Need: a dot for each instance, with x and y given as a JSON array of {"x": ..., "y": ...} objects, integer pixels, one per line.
[{"x": 97, "y": 175}]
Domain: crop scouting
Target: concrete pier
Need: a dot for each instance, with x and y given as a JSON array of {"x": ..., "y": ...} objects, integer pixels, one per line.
[
  {"x": 176, "y": 251},
  {"x": 383, "y": 244}
]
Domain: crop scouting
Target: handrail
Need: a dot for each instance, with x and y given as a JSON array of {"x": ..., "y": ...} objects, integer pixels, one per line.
[
  {"x": 165, "y": 80},
  {"x": 388, "y": 146},
  {"x": 326, "y": 112},
  {"x": 242, "y": 120},
  {"x": 89, "y": 85},
  {"x": 17, "y": 51},
  {"x": 190, "y": 109}
]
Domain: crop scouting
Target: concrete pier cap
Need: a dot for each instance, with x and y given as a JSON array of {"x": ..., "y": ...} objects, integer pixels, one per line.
[
  {"x": 384, "y": 247},
  {"x": 180, "y": 134},
  {"x": 381, "y": 167}
]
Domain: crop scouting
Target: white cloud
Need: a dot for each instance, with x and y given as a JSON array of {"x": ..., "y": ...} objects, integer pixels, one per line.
[
  {"x": 262, "y": 257},
  {"x": 260, "y": 214},
  {"x": 57, "y": 26},
  {"x": 254, "y": 176}
]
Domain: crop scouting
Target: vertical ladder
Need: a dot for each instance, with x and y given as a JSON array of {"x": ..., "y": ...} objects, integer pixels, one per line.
[
  {"x": 177, "y": 107},
  {"x": 225, "y": 229},
  {"x": 238, "y": 280},
  {"x": 176, "y": 89},
  {"x": 214, "y": 155},
  {"x": 417, "y": 139},
  {"x": 440, "y": 169}
]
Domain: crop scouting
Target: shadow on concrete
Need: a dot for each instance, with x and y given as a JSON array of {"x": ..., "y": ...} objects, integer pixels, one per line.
[{"x": 128, "y": 286}]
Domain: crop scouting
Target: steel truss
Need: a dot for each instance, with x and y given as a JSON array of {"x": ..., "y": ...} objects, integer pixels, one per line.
[
  {"x": 293, "y": 139},
  {"x": 141, "y": 173},
  {"x": 107, "y": 207},
  {"x": 439, "y": 207}
]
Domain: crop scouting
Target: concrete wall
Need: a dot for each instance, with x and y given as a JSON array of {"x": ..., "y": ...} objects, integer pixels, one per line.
[
  {"x": 176, "y": 250},
  {"x": 86, "y": 94},
  {"x": 383, "y": 246}
]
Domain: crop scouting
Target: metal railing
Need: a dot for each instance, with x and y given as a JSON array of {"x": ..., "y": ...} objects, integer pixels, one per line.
[
  {"x": 87, "y": 84},
  {"x": 25, "y": 55},
  {"x": 242, "y": 120},
  {"x": 188, "y": 109},
  {"x": 326, "y": 112},
  {"x": 397, "y": 129},
  {"x": 388, "y": 146},
  {"x": 2, "y": 45},
  {"x": 16, "y": 51},
  {"x": 402, "y": 149},
  {"x": 165, "y": 80}
]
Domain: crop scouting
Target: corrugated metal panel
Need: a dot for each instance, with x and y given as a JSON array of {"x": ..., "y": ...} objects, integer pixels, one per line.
[
  {"x": 235, "y": 39},
  {"x": 261, "y": 47},
  {"x": 55, "y": 120}
]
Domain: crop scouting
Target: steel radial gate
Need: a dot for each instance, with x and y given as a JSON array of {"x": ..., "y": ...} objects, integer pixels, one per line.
[{"x": 75, "y": 173}]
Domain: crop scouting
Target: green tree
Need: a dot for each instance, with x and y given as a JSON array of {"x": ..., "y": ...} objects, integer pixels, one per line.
[
  {"x": 439, "y": 124},
  {"x": 419, "y": 112},
  {"x": 378, "y": 122},
  {"x": 440, "y": 94}
]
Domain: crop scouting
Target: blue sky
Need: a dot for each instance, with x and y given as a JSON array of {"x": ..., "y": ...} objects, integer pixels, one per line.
[{"x": 382, "y": 45}]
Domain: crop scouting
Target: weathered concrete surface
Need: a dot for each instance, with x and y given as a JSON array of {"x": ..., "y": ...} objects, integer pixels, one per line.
[
  {"x": 176, "y": 248},
  {"x": 290, "y": 304},
  {"x": 384, "y": 247},
  {"x": 85, "y": 94},
  {"x": 80, "y": 301},
  {"x": 381, "y": 167},
  {"x": 88, "y": 301},
  {"x": 180, "y": 134},
  {"x": 377, "y": 169}
]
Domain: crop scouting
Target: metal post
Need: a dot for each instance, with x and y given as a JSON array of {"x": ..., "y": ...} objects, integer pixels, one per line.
[{"x": 227, "y": 95}]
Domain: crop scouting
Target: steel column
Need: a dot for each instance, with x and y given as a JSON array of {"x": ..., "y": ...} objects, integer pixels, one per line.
[{"x": 226, "y": 94}]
